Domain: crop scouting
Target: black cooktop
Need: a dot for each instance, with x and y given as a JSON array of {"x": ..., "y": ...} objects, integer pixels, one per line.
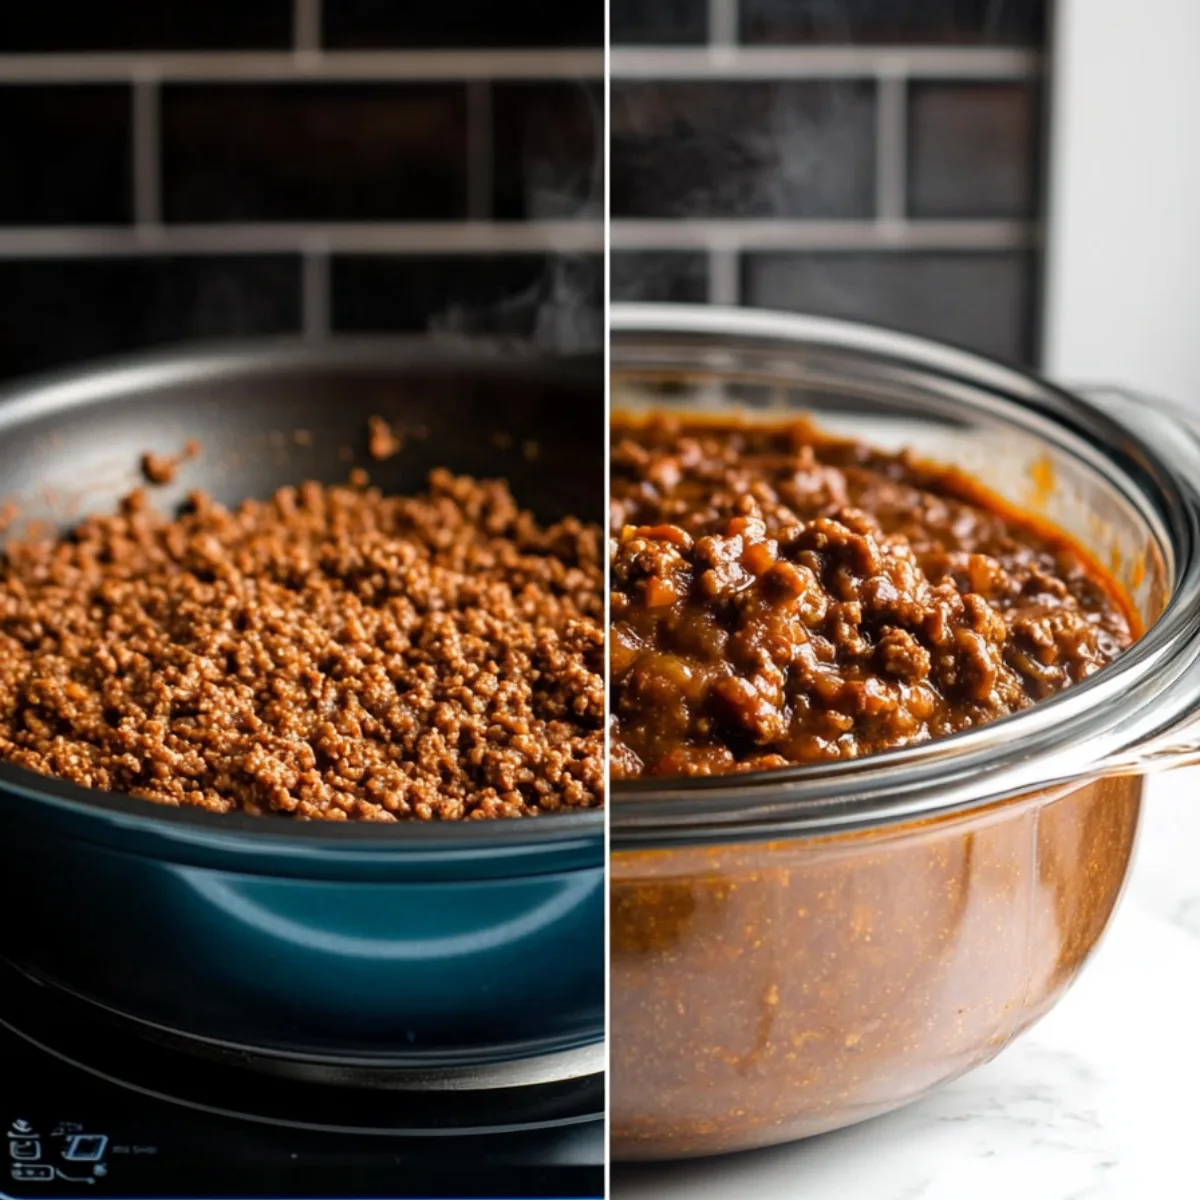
[{"x": 88, "y": 1110}]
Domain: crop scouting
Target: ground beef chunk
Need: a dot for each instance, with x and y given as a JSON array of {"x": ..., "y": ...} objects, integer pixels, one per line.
[
  {"x": 382, "y": 441},
  {"x": 778, "y": 598},
  {"x": 331, "y": 653},
  {"x": 161, "y": 468}
]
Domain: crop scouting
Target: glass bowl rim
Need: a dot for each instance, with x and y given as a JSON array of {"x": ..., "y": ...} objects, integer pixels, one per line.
[{"x": 1104, "y": 725}]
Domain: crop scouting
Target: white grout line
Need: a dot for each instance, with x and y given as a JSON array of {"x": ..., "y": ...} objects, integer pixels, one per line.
[
  {"x": 891, "y": 148},
  {"x": 479, "y": 150},
  {"x": 734, "y": 236},
  {"x": 315, "y": 296},
  {"x": 147, "y": 158},
  {"x": 484, "y": 237},
  {"x": 724, "y": 277},
  {"x": 766, "y": 62},
  {"x": 276, "y": 66},
  {"x": 722, "y": 22},
  {"x": 462, "y": 237},
  {"x": 306, "y": 26}
]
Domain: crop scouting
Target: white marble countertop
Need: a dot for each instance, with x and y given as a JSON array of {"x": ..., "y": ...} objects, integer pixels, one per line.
[{"x": 1097, "y": 1102}]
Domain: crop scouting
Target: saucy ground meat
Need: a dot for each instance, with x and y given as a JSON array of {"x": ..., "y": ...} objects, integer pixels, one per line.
[
  {"x": 782, "y": 598},
  {"x": 331, "y": 653}
]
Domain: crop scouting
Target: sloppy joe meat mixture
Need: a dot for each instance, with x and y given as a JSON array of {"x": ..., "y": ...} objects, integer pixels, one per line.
[
  {"x": 781, "y": 598},
  {"x": 333, "y": 652}
]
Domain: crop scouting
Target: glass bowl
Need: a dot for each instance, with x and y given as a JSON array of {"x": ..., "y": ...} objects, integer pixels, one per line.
[{"x": 796, "y": 950}]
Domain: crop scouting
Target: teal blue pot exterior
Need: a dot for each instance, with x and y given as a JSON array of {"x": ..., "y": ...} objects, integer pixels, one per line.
[{"x": 415, "y": 945}]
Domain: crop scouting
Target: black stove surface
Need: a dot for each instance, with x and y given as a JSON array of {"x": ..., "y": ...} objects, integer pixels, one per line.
[{"x": 87, "y": 1110}]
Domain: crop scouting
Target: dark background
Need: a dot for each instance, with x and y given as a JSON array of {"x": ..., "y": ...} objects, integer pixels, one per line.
[
  {"x": 275, "y": 198},
  {"x": 802, "y": 145}
]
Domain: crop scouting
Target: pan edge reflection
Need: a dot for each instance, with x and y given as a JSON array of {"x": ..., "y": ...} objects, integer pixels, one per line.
[{"x": 571, "y": 894}]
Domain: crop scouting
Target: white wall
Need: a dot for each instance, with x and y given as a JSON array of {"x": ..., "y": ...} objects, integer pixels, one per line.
[{"x": 1123, "y": 285}]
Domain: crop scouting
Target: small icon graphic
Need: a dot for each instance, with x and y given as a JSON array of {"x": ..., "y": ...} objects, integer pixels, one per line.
[
  {"x": 21, "y": 1129},
  {"x": 76, "y": 1178},
  {"x": 25, "y": 1149},
  {"x": 33, "y": 1172},
  {"x": 99, "y": 1169},
  {"x": 65, "y": 1127},
  {"x": 85, "y": 1147}
]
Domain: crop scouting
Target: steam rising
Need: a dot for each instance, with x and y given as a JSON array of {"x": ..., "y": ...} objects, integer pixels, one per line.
[
  {"x": 774, "y": 148},
  {"x": 562, "y": 311}
]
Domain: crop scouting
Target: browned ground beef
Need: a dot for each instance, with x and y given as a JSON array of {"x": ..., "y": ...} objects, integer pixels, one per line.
[
  {"x": 161, "y": 468},
  {"x": 331, "y": 653},
  {"x": 382, "y": 440},
  {"x": 779, "y": 598}
]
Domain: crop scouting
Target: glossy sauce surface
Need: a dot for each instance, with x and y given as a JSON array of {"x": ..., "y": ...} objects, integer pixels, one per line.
[{"x": 780, "y": 597}]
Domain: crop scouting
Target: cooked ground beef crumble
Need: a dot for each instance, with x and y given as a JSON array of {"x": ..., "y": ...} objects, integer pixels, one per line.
[{"x": 331, "y": 653}]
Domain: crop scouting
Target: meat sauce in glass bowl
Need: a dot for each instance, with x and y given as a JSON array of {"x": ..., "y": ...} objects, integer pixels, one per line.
[
  {"x": 779, "y": 598},
  {"x": 879, "y": 726}
]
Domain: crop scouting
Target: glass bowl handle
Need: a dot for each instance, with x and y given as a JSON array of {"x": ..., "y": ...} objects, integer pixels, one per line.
[
  {"x": 1176, "y": 745},
  {"x": 1126, "y": 402}
]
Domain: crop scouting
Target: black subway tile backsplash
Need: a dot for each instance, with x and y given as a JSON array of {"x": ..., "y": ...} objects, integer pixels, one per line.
[
  {"x": 982, "y": 301},
  {"x": 970, "y": 150},
  {"x": 659, "y": 276},
  {"x": 760, "y": 147},
  {"x": 69, "y": 310},
  {"x": 411, "y": 24},
  {"x": 548, "y": 150},
  {"x": 306, "y": 151},
  {"x": 65, "y": 155},
  {"x": 314, "y": 151},
  {"x": 890, "y": 22},
  {"x": 658, "y": 22},
  {"x": 46, "y": 26},
  {"x": 743, "y": 149},
  {"x": 287, "y": 146},
  {"x": 380, "y": 293},
  {"x": 556, "y": 300}
]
